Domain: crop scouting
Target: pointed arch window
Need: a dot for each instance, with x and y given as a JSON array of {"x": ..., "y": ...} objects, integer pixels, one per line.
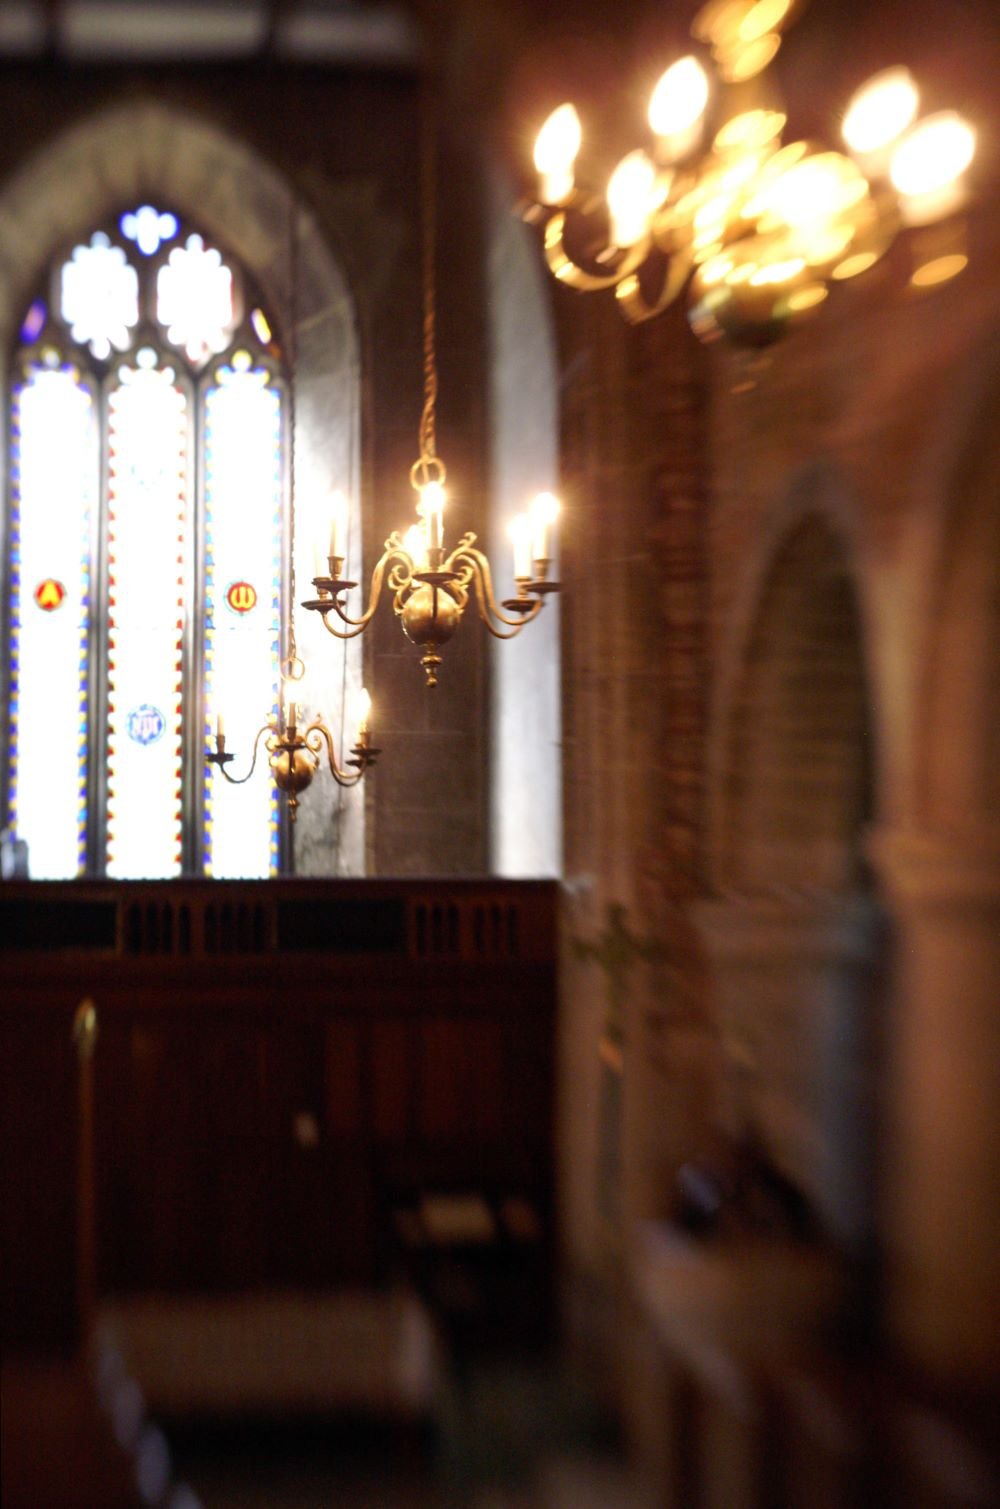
[{"x": 146, "y": 555}]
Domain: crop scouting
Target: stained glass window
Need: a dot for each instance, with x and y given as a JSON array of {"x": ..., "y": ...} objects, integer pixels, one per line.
[
  {"x": 147, "y": 592},
  {"x": 243, "y": 490},
  {"x": 53, "y": 510},
  {"x": 146, "y": 534}
]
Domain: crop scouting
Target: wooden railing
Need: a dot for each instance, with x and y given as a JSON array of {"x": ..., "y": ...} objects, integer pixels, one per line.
[{"x": 462, "y": 920}]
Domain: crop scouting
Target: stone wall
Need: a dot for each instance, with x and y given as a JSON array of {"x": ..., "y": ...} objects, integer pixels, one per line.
[{"x": 780, "y": 819}]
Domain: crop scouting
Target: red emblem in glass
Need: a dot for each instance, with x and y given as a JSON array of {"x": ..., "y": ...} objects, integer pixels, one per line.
[
  {"x": 49, "y": 594},
  {"x": 241, "y": 597}
]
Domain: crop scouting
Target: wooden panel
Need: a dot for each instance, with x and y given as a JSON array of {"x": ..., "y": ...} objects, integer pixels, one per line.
[
  {"x": 348, "y": 1114},
  {"x": 392, "y": 1079},
  {"x": 248, "y": 1137},
  {"x": 488, "y": 1079},
  {"x": 443, "y": 1087},
  {"x": 181, "y": 1149},
  {"x": 462, "y": 1082},
  {"x": 38, "y": 1165}
]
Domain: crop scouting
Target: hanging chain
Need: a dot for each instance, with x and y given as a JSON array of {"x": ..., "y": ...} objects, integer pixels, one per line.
[{"x": 428, "y": 467}]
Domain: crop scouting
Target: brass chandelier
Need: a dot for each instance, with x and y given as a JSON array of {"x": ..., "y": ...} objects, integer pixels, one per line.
[
  {"x": 754, "y": 228},
  {"x": 294, "y": 753},
  {"x": 430, "y": 584}
]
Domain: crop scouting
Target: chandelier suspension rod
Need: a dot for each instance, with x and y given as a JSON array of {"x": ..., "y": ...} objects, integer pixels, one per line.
[{"x": 428, "y": 466}]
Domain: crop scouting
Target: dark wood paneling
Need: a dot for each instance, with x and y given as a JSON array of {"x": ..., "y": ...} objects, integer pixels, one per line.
[
  {"x": 344, "y": 1101},
  {"x": 259, "y": 1117},
  {"x": 38, "y": 1153}
]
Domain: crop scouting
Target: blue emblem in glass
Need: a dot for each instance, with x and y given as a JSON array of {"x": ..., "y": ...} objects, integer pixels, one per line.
[{"x": 145, "y": 724}]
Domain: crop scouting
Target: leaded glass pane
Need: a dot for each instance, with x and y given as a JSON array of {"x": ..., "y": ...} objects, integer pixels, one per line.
[
  {"x": 148, "y": 586},
  {"x": 243, "y": 492},
  {"x": 99, "y": 293},
  {"x": 194, "y": 299},
  {"x": 149, "y": 228},
  {"x": 34, "y": 322},
  {"x": 54, "y": 474}
]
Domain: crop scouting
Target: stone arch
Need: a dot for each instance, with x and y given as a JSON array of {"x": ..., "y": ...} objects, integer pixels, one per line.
[
  {"x": 128, "y": 153},
  {"x": 795, "y": 938},
  {"x": 792, "y": 765},
  {"x": 939, "y": 860}
]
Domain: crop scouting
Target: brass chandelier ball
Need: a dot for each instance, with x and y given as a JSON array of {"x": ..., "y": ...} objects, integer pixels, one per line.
[{"x": 430, "y": 615}]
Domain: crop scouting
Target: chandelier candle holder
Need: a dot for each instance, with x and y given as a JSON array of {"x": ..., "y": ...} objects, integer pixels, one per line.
[
  {"x": 756, "y": 229},
  {"x": 294, "y": 753},
  {"x": 430, "y": 585}
]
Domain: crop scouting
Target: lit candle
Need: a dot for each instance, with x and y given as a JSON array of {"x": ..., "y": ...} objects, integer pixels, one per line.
[
  {"x": 556, "y": 148},
  {"x": 630, "y": 198},
  {"x": 432, "y": 498},
  {"x": 878, "y": 114},
  {"x": 364, "y": 713},
  {"x": 927, "y": 167},
  {"x": 677, "y": 108},
  {"x": 338, "y": 526},
  {"x": 521, "y": 530},
  {"x": 544, "y": 511}
]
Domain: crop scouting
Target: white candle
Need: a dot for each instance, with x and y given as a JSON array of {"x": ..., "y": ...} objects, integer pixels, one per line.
[
  {"x": 364, "y": 713},
  {"x": 432, "y": 498},
  {"x": 556, "y": 148},
  {"x": 630, "y": 195},
  {"x": 220, "y": 727},
  {"x": 544, "y": 511},
  {"x": 338, "y": 525},
  {"x": 290, "y": 714}
]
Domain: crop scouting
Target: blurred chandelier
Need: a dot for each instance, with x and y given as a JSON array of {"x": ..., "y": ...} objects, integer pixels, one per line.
[
  {"x": 754, "y": 228},
  {"x": 430, "y": 585},
  {"x": 295, "y": 752}
]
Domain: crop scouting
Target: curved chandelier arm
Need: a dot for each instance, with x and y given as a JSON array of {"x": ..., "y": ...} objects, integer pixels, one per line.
[
  {"x": 476, "y": 565},
  {"x": 633, "y": 302},
  {"x": 218, "y": 755},
  {"x": 563, "y": 267},
  {"x": 317, "y": 735},
  {"x": 329, "y": 587}
]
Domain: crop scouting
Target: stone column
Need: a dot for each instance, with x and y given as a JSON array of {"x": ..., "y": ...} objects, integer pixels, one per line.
[{"x": 942, "y": 1189}]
